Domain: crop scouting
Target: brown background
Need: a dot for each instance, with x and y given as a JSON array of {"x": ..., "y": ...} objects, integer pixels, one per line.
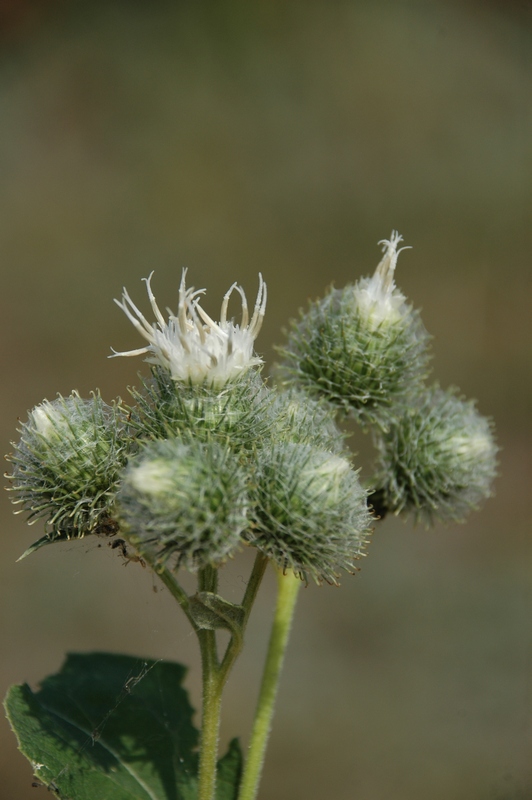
[{"x": 286, "y": 138}]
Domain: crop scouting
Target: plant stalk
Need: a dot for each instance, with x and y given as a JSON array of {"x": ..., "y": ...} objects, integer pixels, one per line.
[
  {"x": 288, "y": 587},
  {"x": 215, "y": 674},
  {"x": 210, "y": 720},
  {"x": 171, "y": 583},
  {"x": 235, "y": 645}
]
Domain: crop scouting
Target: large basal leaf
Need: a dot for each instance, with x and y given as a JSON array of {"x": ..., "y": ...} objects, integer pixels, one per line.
[{"x": 111, "y": 727}]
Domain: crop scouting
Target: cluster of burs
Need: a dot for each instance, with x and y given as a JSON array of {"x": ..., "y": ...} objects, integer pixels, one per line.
[{"x": 209, "y": 458}]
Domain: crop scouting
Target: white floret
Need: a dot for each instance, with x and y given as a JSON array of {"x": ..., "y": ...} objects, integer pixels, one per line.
[
  {"x": 475, "y": 445},
  {"x": 42, "y": 416},
  {"x": 152, "y": 477},
  {"x": 377, "y": 298},
  {"x": 192, "y": 346}
]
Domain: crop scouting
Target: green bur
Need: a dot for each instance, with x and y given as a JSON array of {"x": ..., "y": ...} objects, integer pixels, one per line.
[
  {"x": 238, "y": 414},
  {"x": 184, "y": 502},
  {"x": 310, "y": 512},
  {"x": 67, "y": 465},
  {"x": 437, "y": 460},
  {"x": 362, "y": 348}
]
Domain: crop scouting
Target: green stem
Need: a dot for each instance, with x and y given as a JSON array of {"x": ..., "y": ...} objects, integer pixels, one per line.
[
  {"x": 210, "y": 721},
  {"x": 284, "y": 612},
  {"x": 257, "y": 573},
  {"x": 208, "y": 579},
  {"x": 236, "y": 643},
  {"x": 172, "y": 585},
  {"x": 215, "y": 675},
  {"x": 212, "y": 696}
]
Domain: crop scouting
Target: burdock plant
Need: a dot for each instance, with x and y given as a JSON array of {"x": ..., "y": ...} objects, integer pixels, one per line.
[{"x": 208, "y": 459}]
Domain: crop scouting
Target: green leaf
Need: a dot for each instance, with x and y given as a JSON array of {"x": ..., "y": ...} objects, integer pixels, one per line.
[{"x": 112, "y": 727}]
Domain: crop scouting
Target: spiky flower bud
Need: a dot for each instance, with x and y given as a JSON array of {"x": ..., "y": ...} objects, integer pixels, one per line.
[
  {"x": 190, "y": 345},
  {"x": 239, "y": 413},
  {"x": 184, "y": 503},
  {"x": 66, "y": 464},
  {"x": 311, "y": 514},
  {"x": 363, "y": 348},
  {"x": 437, "y": 459}
]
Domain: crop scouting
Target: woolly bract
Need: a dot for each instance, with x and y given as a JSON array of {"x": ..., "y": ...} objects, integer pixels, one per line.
[
  {"x": 184, "y": 504},
  {"x": 239, "y": 413},
  {"x": 438, "y": 459},
  {"x": 310, "y": 512},
  {"x": 303, "y": 419},
  {"x": 66, "y": 464}
]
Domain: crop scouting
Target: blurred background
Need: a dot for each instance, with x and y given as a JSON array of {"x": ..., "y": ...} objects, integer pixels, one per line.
[{"x": 286, "y": 138}]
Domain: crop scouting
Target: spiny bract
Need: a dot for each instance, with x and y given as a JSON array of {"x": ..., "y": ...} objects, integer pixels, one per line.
[{"x": 238, "y": 413}]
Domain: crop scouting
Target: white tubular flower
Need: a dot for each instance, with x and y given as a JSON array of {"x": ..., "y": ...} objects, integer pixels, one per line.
[
  {"x": 377, "y": 298},
  {"x": 152, "y": 477},
  {"x": 192, "y": 346},
  {"x": 47, "y": 419}
]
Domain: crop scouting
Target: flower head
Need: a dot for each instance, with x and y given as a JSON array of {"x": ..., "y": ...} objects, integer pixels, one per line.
[
  {"x": 192, "y": 346},
  {"x": 311, "y": 512},
  {"x": 437, "y": 460},
  {"x": 184, "y": 503},
  {"x": 362, "y": 348},
  {"x": 66, "y": 464}
]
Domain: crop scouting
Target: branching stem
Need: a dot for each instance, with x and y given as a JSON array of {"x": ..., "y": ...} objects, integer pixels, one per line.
[
  {"x": 216, "y": 674},
  {"x": 171, "y": 583},
  {"x": 236, "y": 643}
]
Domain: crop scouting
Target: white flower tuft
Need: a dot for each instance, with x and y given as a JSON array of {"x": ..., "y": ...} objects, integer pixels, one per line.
[
  {"x": 190, "y": 345},
  {"x": 152, "y": 477},
  {"x": 377, "y": 298},
  {"x": 45, "y": 417}
]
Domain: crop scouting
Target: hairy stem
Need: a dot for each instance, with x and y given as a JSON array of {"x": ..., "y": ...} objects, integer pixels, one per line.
[
  {"x": 210, "y": 721},
  {"x": 284, "y": 612},
  {"x": 236, "y": 643},
  {"x": 208, "y": 579},
  {"x": 215, "y": 675},
  {"x": 212, "y": 696},
  {"x": 173, "y": 586}
]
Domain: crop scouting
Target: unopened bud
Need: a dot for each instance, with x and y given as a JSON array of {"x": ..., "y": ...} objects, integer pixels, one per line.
[
  {"x": 184, "y": 503},
  {"x": 67, "y": 462},
  {"x": 438, "y": 458},
  {"x": 311, "y": 514},
  {"x": 362, "y": 348}
]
